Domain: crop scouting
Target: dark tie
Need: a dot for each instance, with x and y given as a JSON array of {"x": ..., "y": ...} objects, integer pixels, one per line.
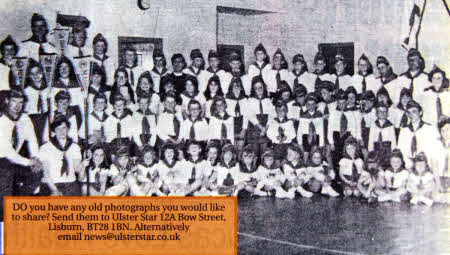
[
  {"x": 237, "y": 109},
  {"x": 145, "y": 126},
  {"x": 193, "y": 174},
  {"x": 364, "y": 84},
  {"x": 65, "y": 165},
  {"x": 192, "y": 132},
  {"x": 312, "y": 132},
  {"x": 40, "y": 106},
  {"x": 317, "y": 83},
  {"x": 392, "y": 179},
  {"x": 102, "y": 130},
  {"x": 15, "y": 137},
  {"x": 80, "y": 53},
  {"x": 325, "y": 123},
  {"x": 119, "y": 130},
  {"x": 354, "y": 172},
  {"x": 326, "y": 111},
  {"x": 176, "y": 126},
  {"x": 380, "y": 137},
  {"x": 41, "y": 49},
  {"x": 132, "y": 77},
  {"x": 280, "y": 132},
  {"x": 336, "y": 83},
  {"x": 404, "y": 120},
  {"x": 344, "y": 124},
  {"x": 414, "y": 145},
  {"x": 278, "y": 78},
  {"x": 438, "y": 107},
  {"x": 296, "y": 81},
  {"x": 261, "y": 111},
  {"x": 223, "y": 132},
  {"x": 363, "y": 123},
  {"x": 411, "y": 85},
  {"x": 228, "y": 180},
  {"x": 420, "y": 183}
]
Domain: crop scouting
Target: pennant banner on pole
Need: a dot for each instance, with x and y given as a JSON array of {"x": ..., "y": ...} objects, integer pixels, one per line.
[
  {"x": 19, "y": 68},
  {"x": 61, "y": 39},
  {"x": 83, "y": 69},
  {"x": 416, "y": 12},
  {"x": 48, "y": 63}
]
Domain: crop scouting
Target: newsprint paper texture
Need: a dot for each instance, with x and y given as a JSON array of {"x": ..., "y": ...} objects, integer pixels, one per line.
[{"x": 328, "y": 120}]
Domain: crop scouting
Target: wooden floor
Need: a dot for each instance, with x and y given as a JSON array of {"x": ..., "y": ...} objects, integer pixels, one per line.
[{"x": 323, "y": 225}]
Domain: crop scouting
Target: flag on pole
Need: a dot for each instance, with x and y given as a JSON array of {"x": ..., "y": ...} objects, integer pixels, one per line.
[{"x": 415, "y": 20}]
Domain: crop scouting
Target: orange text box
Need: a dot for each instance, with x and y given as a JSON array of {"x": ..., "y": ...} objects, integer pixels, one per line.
[{"x": 116, "y": 225}]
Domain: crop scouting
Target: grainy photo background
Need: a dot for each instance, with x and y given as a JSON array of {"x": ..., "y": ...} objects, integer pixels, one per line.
[{"x": 374, "y": 27}]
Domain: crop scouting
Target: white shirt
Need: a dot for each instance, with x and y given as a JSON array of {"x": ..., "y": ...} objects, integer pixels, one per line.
[
  {"x": 32, "y": 94},
  {"x": 25, "y": 132},
  {"x": 137, "y": 128},
  {"x": 396, "y": 179},
  {"x": 188, "y": 168},
  {"x": 224, "y": 78},
  {"x": 4, "y": 77},
  {"x": 346, "y": 166},
  {"x": 31, "y": 49},
  {"x": 271, "y": 81},
  {"x": 269, "y": 176},
  {"x": 223, "y": 171},
  {"x": 428, "y": 141},
  {"x": 345, "y": 81},
  {"x": 200, "y": 129},
  {"x": 109, "y": 68},
  {"x": 371, "y": 83},
  {"x": 395, "y": 87},
  {"x": 253, "y": 109},
  {"x": 73, "y": 130},
  {"x": 215, "y": 128},
  {"x": 387, "y": 134},
  {"x": 354, "y": 123},
  {"x": 157, "y": 75},
  {"x": 201, "y": 77},
  {"x": 126, "y": 127},
  {"x": 173, "y": 175},
  {"x": 165, "y": 125},
  {"x": 293, "y": 172},
  {"x": 246, "y": 83},
  {"x": 95, "y": 122},
  {"x": 294, "y": 110},
  {"x": 305, "y": 121},
  {"x": 52, "y": 159},
  {"x": 275, "y": 126},
  {"x": 255, "y": 69},
  {"x": 307, "y": 79},
  {"x": 71, "y": 51}
]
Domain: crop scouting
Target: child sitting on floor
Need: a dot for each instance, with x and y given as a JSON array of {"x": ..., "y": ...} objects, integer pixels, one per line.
[
  {"x": 321, "y": 174},
  {"x": 351, "y": 168},
  {"x": 209, "y": 181},
  {"x": 395, "y": 179},
  {"x": 227, "y": 171},
  {"x": 247, "y": 167},
  {"x": 147, "y": 173},
  {"x": 421, "y": 183},
  {"x": 121, "y": 174},
  {"x": 295, "y": 171},
  {"x": 270, "y": 178},
  {"x": 369, "y": 185}
]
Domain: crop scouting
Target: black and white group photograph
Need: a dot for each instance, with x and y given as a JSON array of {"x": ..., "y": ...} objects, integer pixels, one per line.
[{"x": 329, "y": 120}]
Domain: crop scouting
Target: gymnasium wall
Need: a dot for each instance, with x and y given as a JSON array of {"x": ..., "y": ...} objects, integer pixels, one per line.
[{"x": 297, "y": 26}]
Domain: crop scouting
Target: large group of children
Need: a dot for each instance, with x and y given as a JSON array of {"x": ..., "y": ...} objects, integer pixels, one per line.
[{"x": 189, "y": 131}]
